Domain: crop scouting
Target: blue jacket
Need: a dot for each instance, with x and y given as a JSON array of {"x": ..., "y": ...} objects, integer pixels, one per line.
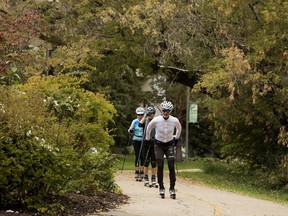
[{"x": 137, "y": 131}]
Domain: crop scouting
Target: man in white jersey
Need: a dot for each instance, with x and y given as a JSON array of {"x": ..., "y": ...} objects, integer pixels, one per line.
[{"x": 164, "y": 144}]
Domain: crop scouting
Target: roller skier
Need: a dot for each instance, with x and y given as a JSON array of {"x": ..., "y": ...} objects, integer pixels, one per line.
[
  {"x": 148, "y": 149},
  {"x": 164, "y": 144},
  {"x": 138, "y": 143}
]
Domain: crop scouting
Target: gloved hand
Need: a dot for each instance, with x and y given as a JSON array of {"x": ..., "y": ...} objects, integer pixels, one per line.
[
  {"x": 130, "y": 130},
  {"x": 147, "y": 142},
  {"x": 175, "y": 140}
]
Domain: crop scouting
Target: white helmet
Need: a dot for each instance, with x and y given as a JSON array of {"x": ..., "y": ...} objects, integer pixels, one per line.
[
  {"x": 140, "y": 111},
  {"x": 166, "y": 105}
]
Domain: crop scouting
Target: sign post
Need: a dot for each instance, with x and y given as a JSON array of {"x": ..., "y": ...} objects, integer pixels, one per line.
[
  {"x": 187, "y": 122},
  {"x": 193, "y": 114},
  {"x": 191, "y": 117}
]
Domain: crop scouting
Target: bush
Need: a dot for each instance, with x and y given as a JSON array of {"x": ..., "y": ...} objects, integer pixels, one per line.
[{"x": 48, "y": 128}]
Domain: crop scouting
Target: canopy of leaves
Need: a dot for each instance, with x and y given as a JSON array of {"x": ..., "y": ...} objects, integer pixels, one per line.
[
  {"x": 245, "y": 82},
  {"x": 233, "y": 51}
]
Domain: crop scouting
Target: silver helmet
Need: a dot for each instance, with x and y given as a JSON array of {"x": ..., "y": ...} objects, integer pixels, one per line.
[
  {"x": 167, "y": 105},
  {"x": 150, "y": 110}
]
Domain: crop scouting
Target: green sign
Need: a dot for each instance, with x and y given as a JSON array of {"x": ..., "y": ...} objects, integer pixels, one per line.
[{"x": 193, "y": 113}]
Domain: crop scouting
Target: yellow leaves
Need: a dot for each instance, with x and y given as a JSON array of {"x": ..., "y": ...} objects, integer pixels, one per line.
[
  {"x": 66, "y": 91},
  {"x": 76, "y": 53},
  {"x": 148, "y": 16},
  {"x": 236, "y": 68},
  {"x": 231, "y": 97},
  {"x": 235, "y": 61},
  {"x": 262, "y": 84},
  {"x": 225, "y": 7},
  {"x": 284, "y": 162},
  {"x": 283, "y": 137},
  {"x": 231, "y": 88},
  {"x": 231, "y": 71},
  {"x": 267, "y": 88},
  {"x": 275, "y": 10},
  {"x": 107, "y": 15}
]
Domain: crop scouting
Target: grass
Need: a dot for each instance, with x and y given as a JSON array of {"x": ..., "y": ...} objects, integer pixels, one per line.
[
  {"x": 215, "y": 175},
  {"x": 129, "y": 164}
]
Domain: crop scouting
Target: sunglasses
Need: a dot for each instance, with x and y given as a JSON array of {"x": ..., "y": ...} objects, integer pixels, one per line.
[
  {"x": 166, "y": 110},
  {"x": 140, "y": 114}
]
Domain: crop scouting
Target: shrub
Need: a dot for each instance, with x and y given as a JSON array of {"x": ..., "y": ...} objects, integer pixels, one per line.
[{"x": 48, "y": 128}]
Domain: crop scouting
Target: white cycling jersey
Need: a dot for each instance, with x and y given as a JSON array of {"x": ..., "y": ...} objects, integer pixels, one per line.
[{"x": 164, "y": 128}]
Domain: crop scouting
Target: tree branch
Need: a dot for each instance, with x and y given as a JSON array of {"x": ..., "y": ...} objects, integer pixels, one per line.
[
  {"x": 3, "y": 11},
  {"x": 174, "y": 68},
  {"x": 180, "y": 75},
  {"x": 251, "y": 6}
]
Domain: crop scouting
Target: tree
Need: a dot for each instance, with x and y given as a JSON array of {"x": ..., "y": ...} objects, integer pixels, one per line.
[
  {"x": 21, "y": 24},
  {"x": 247, "y": 94},
  {"x": 216, "y": 45},
  {"x": 212, "y": 46},
  {"x": 84, "y": 40}
]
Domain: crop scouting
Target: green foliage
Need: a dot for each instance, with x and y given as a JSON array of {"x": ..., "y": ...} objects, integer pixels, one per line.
[
  {"x": 261, "y": 176},
  {"x": 96, "y": 173},
  {"x": 48, "y": 128},
  {"x": 234, "y": 176},
  {"x": 235, "y": 50},
  {"x": 231, "y": 175},
  {"x": 21, "y": 24},
  {"x": 93, "y": 41},
  {"x": 246, "y": 96}
]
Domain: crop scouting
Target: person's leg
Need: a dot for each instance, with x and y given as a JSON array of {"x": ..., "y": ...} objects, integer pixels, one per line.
[
  {"x": 160, "y": 168},
  {"x": 136, "y": 146},
  {"x": 171, "y": 162},
  {"x": 153, "y": 161},
  {"x": 159, "y": 154},
  {"x": 146, "y": 163},
  {"x": 141, "y": 159}
]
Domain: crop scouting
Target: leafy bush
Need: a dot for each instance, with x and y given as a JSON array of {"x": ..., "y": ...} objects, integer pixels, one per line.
[
  {"x": 48, "y": 128},
  {"x": 240, "y": 171},
  {"x": 214, "y": 165}
]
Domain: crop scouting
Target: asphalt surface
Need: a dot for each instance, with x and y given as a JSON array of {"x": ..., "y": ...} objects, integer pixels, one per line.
[{"x": 191, "y": 199}]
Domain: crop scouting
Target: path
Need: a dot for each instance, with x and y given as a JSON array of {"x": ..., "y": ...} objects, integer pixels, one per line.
[{"x": 191, "y": 199}]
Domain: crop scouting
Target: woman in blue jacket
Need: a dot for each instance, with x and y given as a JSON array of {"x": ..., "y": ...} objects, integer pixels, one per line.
[{"x": 137, "y": 143}]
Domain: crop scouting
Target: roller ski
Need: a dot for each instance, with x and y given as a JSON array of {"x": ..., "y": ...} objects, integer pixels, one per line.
[
  {"x": 154, "y": 183},
  {"x": 162, "y": 193},
  {"x": 146, "y": 181},
  {"x": 139, "y": 175},
  {"x": 172, "y": 193},
  {"x": 136, "y": 175}
]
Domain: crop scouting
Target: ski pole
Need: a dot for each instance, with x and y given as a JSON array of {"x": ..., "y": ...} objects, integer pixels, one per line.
[
  {"x": 148, "y": 150},
  {"x": 175, "y": 153},
  {"x": 129, "y": 140},
  {"x": 176, "y": 165}
]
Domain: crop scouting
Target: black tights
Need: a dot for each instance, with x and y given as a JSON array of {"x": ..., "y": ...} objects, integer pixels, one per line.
[
  {"x": 138, "y": 152},
  {"x": 166, "y": 149},
  {"x": 149, "y": 155}
]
